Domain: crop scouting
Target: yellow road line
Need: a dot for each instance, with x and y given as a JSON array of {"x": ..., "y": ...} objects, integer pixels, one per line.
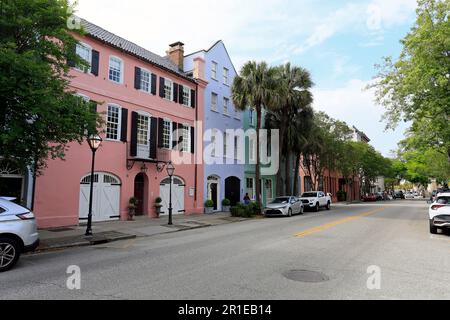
[{"x": 336, "y": 223}]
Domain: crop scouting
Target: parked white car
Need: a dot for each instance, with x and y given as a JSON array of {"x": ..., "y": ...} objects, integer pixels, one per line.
[
  {"x": 316, "y": 200},
  {"x": 284, "y": 206},
  {"x": 409, "y": 195},
  {"x": 18, "y": 233},
  {"x": 440, "y": 213}
]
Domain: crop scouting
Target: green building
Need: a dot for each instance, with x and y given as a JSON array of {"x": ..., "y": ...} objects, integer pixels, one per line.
[{"x": 268, "y": 182}]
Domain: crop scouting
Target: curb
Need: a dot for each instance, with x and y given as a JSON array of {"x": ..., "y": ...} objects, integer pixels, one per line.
[
  {"x": 84, "y": 243},
  {"x": 102, "y": 239}
]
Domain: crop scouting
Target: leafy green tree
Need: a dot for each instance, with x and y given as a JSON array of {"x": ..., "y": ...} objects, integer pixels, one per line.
[
  {"x": 395, "y": 172},
  {"x": 348, "y": 164},
  {"x": 39, "y": 115},
  {"x": 416, "y": 87},
  {"x": 324, "y": 146},
  {"x": 255, "y": 87}
]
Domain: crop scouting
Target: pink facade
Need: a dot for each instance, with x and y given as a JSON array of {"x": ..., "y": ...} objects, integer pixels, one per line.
[
  {"x": 332, "y": 182},
  {"x": 57, "y": 192}
]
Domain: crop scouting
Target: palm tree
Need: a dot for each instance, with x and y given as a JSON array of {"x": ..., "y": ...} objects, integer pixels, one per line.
[
  {"x": 255, "y": 87},
  {"x": 294, "y": 95}
]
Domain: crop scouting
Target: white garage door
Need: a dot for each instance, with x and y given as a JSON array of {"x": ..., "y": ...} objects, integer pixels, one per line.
[
  {"x": 177, "y": 196},
  {"x": 106, "y": 198}
]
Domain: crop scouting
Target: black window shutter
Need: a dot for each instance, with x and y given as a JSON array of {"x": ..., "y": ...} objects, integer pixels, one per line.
[
  {"x": 137, "y": 78},
  {"x": 175, "y": 92},
  {"x": 174, "y": 137},
  {"x": 193, "y": 98},
  {"x": 180, "y": 94},
  {"x": 160, "y": 132},
  {"x": 154, "y": 79},
  {"x": 93, "y": 106},
  {"x": 134, "y": 125},
  {"x": 95, "y": 62},
  {"x": 192, "y": 140},
  {"x": 124, "y": 125},
  {"x": 72, "y": 63},
  {"x": 162, "y": 81},
  {"x": 153, "y": 137},
  {"x": 180, "y": 136}
]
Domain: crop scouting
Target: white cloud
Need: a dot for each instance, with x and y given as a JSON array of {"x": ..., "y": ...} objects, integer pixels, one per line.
[
  {"x": 354, "y": 105},
  {"x": 371, "y": 19}
]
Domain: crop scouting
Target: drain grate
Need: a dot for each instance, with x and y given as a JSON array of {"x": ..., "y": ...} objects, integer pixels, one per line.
[{"x": 306, "y": 276}]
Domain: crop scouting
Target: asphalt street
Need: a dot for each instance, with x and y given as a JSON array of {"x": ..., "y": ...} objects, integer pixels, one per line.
[{"x": 254, "y": 260}]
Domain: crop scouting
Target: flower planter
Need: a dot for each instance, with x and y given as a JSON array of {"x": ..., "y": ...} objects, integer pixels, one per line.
[
  {"x": 226, "y": 208},
  {"x": 158, "y": 210},
  {"x": 209, "y": 210}
]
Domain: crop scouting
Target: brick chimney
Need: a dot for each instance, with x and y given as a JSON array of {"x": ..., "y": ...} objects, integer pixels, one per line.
[{"x": 176, "y": 54}]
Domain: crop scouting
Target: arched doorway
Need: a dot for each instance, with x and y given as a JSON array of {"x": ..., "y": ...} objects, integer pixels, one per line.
[
  {"x": 106, "y": 199},
  {"x": 233, "y": 190},
  {"x": 213, "y": 187},
  {"x": 139, "y": 193},
  {"x": 178, "y": 190}
]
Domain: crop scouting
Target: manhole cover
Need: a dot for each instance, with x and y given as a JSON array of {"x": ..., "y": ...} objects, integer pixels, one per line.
[{"x": 306, "y": 276}]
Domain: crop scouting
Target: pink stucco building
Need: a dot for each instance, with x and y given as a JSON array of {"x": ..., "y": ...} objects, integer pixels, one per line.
[{"x": 150, "y": 107}]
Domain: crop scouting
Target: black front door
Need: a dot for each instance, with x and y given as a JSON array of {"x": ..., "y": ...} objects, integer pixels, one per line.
[
  {"x": 139, "y": 193},
  {"x": 11, "y": 187},
  {"x": 214, "y": 195},
  {"x": 233, "y": 190}
]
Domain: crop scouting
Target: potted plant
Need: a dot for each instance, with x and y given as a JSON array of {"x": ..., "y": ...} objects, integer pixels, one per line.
[
  {"x": 132, "y": 206},
  {"x": 158, "y": 206},
  {"x": 209, "y": 206},
  {"x": 226, "y": 204}
]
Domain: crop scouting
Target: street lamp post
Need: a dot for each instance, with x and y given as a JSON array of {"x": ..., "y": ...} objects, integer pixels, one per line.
[
  {"x": 170, "y": 171},
  {"x": 94, "y": 142}
]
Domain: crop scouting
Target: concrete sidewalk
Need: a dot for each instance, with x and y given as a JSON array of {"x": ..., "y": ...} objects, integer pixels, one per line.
[{"x": 53, "y": 239}]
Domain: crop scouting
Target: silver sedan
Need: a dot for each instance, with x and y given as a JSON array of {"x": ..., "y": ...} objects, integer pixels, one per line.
[{"x": 284, "y": 206}]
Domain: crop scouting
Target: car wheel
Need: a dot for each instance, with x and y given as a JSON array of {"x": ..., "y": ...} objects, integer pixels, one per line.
[
  {"x": 290, "y": 212},
  {"x": 317, "y": 208},
  {"x": 328, "y": 205},
  {"x": 433, "y": 229},
  {"x": 9, "y": 253}
]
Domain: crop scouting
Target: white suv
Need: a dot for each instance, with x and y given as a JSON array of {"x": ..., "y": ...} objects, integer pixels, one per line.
[
  {"x": 18, "y": 233},
  {"x": 316, "y": 200},
  {"x": 440, "y": 212}
]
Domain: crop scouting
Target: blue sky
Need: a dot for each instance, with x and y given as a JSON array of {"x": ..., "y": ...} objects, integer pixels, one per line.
[{"x": 338, "y": 41}]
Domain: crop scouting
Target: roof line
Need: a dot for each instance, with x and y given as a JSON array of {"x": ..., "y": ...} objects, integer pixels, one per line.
[
  {"x": 215, "y": 44},
  {"x": 88, "y": 34}
]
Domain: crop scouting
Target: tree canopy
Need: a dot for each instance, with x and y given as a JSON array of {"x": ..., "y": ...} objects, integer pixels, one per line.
[
  {"x": 39, "y": 115},
  {"x": 416, "y": 87}
]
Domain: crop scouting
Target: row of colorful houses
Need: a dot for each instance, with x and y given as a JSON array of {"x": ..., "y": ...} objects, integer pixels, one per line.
[{"x": 155, "y": 107}]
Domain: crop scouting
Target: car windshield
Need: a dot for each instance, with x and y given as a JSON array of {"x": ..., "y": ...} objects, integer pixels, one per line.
[
  {"x": 309, "y": 195},
  {"x": 443, "y": 200},
  {"x": 281, "y": 200}
]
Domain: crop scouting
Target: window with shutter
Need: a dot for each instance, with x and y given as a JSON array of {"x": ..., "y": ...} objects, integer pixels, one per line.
[
  {"x": 113, "y": 122},
  {"x": 146, "y": 81},
  {"x": 84, "y": 51}
]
